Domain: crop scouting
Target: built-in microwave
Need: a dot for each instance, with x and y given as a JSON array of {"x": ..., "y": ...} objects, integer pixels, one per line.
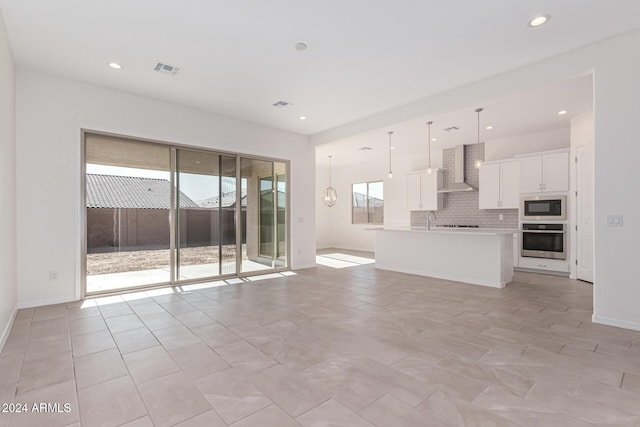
[{"x": 543, "y": 208}]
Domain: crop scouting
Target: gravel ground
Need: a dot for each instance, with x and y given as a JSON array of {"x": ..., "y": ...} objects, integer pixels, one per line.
[{"x": 120, "y": 262}]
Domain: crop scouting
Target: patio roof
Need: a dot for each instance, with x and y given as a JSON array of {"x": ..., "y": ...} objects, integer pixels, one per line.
[{"x": 111, "y": 191}]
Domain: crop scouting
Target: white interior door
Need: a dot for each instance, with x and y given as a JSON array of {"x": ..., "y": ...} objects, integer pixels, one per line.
[{"x": 584, "y": 234}]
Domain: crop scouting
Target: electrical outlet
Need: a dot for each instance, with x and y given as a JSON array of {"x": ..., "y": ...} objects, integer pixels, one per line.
[
  {"x": 501, "y": 217},
  {"x": 53, "y": 275}
]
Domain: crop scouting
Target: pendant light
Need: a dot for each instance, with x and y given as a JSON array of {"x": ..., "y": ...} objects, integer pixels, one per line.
[
  {"x": 478, "y": 160},
  {"x": 390, "y": 173},
  {"x": 429, "y": 169},
  {"x": 330, "y": 194}
]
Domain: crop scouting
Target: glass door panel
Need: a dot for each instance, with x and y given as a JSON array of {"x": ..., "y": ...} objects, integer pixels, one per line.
[
  {"x": 198, "y": 202},
  {"x": 228, "y": 207},
  {"x": 258, "y": 224},
  {"x": 281, "y": 219},
  {"x": 266, "y": 218},
  {"x": 128, "y": 200}
]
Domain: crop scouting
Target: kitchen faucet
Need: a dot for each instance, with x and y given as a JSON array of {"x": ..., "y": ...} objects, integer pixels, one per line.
[{"x": 429, "y": 219}]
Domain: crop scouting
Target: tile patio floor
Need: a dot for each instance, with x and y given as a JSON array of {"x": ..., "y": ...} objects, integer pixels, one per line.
[{"x": 327, "y": 346}]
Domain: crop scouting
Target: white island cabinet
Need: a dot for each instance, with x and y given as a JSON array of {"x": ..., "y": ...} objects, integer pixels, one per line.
[{"x": 476, "y": 256}]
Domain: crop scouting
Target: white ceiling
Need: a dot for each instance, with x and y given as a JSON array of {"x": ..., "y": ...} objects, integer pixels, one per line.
[
  {"x": 238, "y": 58},
  {"x": 519, "y": 113}
]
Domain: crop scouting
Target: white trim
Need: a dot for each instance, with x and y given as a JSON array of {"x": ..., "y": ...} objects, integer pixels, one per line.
[
  {"x": 7, "y": 329},
  {"x": 304, "y": 266},
  {"x": 43, "y": 302},
  {"x": 463, "y": 280},
  {"x": 610, "y": 321}
]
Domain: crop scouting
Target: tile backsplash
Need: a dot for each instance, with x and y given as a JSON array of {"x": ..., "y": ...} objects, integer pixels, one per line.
[{"x": 462, "y": 208}]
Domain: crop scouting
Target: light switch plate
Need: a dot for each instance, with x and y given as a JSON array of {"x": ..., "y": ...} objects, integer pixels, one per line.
[{"x": 614, "y": 221}]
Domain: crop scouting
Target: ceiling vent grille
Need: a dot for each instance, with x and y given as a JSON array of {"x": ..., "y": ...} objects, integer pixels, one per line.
[
  {"x": 451, "y": 129},
  {"x": 365, "y": 148},
  {"x": 166, "y": 69},
  {"x": 282, "y": 104}
]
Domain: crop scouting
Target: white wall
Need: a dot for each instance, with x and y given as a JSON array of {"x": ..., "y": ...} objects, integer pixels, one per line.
[
  {"x": 51, "y": 112},
  {"x": 340, "y": 233},
  {"x": 616, "y": 67},
  {"x": 504, "y": 148},
  {"x": 8, "y": 282}
]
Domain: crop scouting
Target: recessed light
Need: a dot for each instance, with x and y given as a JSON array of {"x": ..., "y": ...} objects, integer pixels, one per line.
[
  {"x": 303, "y": 117},
  {"x": 539, "y": 20},
  {"x": 489, "y": 127},
  {"x": 393, "y": 148},
  {"x": 562, "y": 112},
  {"x": 434, "y": 139},
  {"x": 300, "y": 46},
  {"x": 115, "y": 65}
]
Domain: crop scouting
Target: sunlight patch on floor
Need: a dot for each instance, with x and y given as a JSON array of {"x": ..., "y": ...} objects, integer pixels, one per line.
[{"x": 338, "y": 260}]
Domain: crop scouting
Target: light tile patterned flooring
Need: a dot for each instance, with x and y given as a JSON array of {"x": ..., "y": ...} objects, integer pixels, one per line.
[{"x": 344, "y": 347}]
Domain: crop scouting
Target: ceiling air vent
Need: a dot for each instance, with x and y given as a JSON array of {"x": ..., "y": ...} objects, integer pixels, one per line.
[
  {"x": 166, "y": 69},
  {"x": 282, "y": 104},
  {"x": 365, "y": 148},
  {"x": 451, "y": 129}
]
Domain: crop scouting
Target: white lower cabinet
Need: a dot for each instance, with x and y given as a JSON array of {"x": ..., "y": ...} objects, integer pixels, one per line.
[{"x": 516, "y": 250}]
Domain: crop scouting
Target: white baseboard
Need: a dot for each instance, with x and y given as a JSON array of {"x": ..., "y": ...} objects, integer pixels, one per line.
[
  {"x": 610, "y": 321},
  {"x": 304, "y": 266},
  {"x": 43, "y": 302},
  {"x": 7, "y": 329}
]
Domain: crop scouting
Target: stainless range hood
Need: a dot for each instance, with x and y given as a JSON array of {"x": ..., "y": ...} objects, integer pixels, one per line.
[{"x": 458, "y": 183}]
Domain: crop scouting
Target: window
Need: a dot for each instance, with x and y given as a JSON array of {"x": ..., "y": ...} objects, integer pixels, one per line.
[{"x": 367, "y": 203}]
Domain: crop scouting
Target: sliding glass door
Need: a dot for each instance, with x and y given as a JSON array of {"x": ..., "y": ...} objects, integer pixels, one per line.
[{"x": 159, "y": 214}]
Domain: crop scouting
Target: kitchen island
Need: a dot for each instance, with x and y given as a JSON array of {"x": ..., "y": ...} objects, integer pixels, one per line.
[{"x": 479, "y": 256}]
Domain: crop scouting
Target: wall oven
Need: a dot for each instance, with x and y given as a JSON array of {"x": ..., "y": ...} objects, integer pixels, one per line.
[
  {"x": 543, "y": 208},
  {"x": 543, "y": 241}
]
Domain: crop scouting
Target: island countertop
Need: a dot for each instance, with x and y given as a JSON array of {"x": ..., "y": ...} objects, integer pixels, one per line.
[{"x": 449, "y": 230}]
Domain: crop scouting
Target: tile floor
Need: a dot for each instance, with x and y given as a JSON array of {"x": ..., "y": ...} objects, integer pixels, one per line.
[{"x": 327, "y": 346}]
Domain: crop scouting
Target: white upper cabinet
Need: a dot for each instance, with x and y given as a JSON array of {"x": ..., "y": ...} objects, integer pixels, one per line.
[
  {"x": 422, "y": 190},
  {"x": 555, "y": 170},
  {"x": 499, "y": 185},
  {"x": 545, "y": 172}
]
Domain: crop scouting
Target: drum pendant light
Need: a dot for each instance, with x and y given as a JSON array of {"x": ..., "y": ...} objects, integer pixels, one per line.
[{"x": 330, "y": 194}]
